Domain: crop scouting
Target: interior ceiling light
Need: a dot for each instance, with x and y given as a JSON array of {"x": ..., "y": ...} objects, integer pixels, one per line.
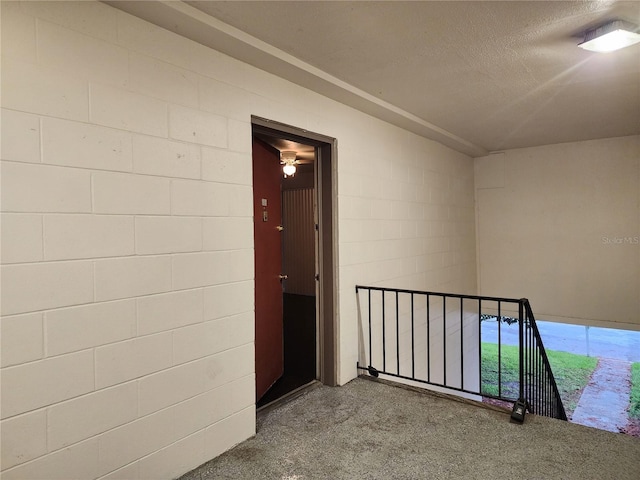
[
  {"x": 610, "y": 36},
  {"x": 288, "y": 160}
]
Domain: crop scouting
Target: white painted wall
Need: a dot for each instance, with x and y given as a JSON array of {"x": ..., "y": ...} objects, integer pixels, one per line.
[
  {"x": 560, "y": 225},
  {"x": 127, "y": 246}
]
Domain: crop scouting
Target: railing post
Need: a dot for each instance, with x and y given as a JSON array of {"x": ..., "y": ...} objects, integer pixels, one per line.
[{"x": 521, "y": 344}]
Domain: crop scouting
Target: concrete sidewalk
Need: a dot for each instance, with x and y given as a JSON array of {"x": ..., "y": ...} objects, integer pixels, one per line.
[{"x": 605, "y": 400}]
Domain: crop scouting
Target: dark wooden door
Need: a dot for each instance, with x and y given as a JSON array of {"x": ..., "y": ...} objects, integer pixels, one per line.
[{"x": 267, "y": 210}]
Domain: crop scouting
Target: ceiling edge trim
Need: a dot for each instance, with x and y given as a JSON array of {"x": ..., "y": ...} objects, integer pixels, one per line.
[{"x": 196, "y": 25}]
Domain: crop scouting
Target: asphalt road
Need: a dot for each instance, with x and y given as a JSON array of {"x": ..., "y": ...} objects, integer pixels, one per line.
[{"x": 591, "y": 341}]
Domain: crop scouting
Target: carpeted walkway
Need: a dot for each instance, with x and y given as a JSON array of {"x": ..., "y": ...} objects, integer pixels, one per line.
[{"x": 370, "y": 430}]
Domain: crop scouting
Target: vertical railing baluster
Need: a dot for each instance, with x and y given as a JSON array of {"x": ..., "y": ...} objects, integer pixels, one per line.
[
  {"x": 528, "y": 371},
  {"x": 428, "y": 341},
  {"x": 370, "y": 349},
  {"x": 397, "y": 334},
  {"x": 521, "y": 349},
  {"x": 480, "y": 344},
  {"x": 552, "y": 395},
  {"x": 541, "y": 390},
  {"x": 538, "y": 374},
  {"x": 543, "y": 395},
  {"x": 444, "y": 336},
  {"x": 552, "y": 398},
  {"x": 384, "y": 336},
  {"x": 536, "y": 382},
  {"x": 545, "y": 400},
  {"x": 532, "y": 373},
  {"x": 542, "y": 387},
  {"x": 534, "y": 351},
  {"x": 461, "y": 343},
  {"x": 546, "y": 391},
  {"x": 533, "y": 357},
  {"x": 556, "y": 403},
  {"x": 527, "y": 341},
  {"x": 529, "y": 359},
  {"x": 413, "y": 351},
  {"x": 499, "y": 349}
]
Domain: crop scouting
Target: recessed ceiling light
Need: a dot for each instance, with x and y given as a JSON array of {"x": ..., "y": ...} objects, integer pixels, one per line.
[{"x": 610, "y": 36}]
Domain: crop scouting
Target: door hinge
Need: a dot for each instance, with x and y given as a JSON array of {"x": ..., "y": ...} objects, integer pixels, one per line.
[{"x": 317, "y": 275}]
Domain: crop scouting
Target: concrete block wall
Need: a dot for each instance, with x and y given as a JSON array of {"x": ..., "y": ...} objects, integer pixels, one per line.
[
  {"x": 406, "y": 221},
  {"x": 127, "y": 245},
  {"x": 560, "y": 225}
]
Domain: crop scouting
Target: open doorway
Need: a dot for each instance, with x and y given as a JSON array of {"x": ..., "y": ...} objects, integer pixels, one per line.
[{"x": 293, "y": 238}]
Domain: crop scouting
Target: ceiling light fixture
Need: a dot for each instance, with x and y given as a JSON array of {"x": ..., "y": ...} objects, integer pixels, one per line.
[
  {"x": 288, "y": 160},
  {"x": 610, "y": 36}
]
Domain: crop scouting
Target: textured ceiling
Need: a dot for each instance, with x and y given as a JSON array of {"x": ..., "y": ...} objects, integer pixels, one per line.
[{"x": 496, "y": 75}]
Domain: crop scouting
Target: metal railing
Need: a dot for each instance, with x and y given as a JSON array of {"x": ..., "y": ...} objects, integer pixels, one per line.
[{"x": 474, "y": 345}]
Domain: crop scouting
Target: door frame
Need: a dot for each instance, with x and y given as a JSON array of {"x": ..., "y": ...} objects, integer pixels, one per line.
[{"x": 326, "y": 197}]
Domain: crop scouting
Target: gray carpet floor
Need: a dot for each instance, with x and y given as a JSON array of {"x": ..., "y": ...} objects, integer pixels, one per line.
[{"x": 371, "y": 430}]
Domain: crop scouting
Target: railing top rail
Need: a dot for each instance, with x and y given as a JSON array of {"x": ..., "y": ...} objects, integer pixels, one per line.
[{"x": 443, "y": 294}]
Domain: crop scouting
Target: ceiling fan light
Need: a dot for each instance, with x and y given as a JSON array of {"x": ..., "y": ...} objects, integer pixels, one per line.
[
  {"x": 288, "y": 160},
  {"x": 289, "y": 170},
  {"x": 609, "y": 37},
  {"x": 288, "y": 156}
]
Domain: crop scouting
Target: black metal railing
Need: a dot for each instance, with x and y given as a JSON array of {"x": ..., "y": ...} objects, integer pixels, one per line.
[{"x": 476, "y": 345}]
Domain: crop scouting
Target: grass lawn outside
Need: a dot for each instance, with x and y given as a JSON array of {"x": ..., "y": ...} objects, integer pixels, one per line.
[
  {"x": 507, "y": 379},
  {"x": 571, "y": 371},
  {"x": 634, "y": 407}
]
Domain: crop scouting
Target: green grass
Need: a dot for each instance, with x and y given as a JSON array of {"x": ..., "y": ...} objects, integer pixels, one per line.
[
  {"x": 508, "y": 377},
  {"x": 634, "y": 409},
  {"x": 572, "y": 373}
]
